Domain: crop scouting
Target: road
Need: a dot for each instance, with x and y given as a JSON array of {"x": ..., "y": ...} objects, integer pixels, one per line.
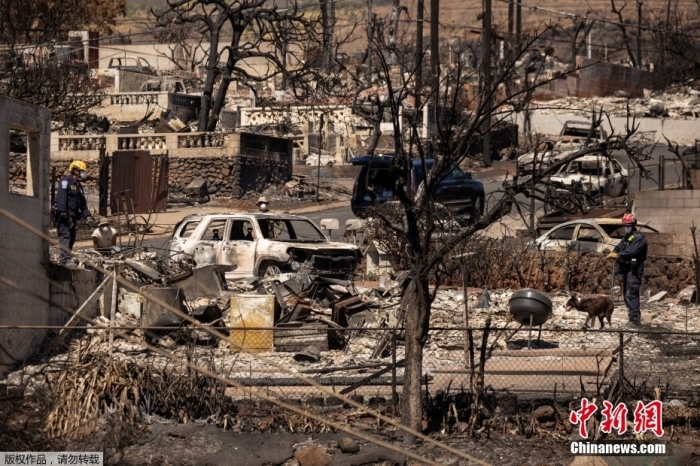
[{"x": 493, "y": 186}]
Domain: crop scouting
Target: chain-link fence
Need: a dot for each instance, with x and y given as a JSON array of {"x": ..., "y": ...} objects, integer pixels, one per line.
[
  {"x": 551, "y": 364},
  {"x": 369, "y": 363}
]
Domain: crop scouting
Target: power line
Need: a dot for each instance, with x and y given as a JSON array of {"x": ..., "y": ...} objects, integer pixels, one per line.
[
  {"x": 478, "y": 30},
  {"x": 606, "y": 21}
]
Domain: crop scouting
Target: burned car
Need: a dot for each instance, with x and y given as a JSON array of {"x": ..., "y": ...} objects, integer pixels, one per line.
[
  {"x": 459, "y": 192},
  {"x": 261, "y": 245},
  {"x": 598, "y": 175},
  {"x": 594, "y": 235}
]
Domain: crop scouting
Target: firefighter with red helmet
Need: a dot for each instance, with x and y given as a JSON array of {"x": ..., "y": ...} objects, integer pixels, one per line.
[{"x": 630, "y": 254}]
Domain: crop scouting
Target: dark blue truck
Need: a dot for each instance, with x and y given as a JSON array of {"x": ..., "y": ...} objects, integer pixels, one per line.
[{"x": 458, "y": 191}]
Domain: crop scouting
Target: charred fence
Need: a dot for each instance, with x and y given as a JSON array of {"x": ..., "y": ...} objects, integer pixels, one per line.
[
  {"x": 559, "y": 364},
  {"x": 520, "y": 379},
  {"x": 553, "y": 364}
]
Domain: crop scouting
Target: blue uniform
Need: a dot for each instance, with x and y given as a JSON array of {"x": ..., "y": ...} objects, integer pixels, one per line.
[
  {"x": 71, "y": 205},
  {"x": 632, "y": 252}
]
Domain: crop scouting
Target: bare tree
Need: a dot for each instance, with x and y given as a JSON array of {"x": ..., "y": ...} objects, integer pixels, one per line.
[
  {"x": 675, "y": 43},
  {"x": 579, "y": 33},
  {"x": 64, "y": 88},
  {"x": 258, "y": 49},
  {"x": 31, "y": 70},
  {"x": 185, "y": 46},
  {"x": 328, "y": 24},
  {"x": 429, "y": 232},
  {"x": 623, "y": 29}
]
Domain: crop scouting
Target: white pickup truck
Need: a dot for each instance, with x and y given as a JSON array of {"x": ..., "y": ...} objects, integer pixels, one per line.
[
  {"x": 106, "y": 76},
  {"x": 129, "y": 63},
  {"x": 571, "y": 138}
]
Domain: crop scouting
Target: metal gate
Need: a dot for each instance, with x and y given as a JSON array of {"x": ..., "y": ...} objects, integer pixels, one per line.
[{"x": 139, "y": 182}]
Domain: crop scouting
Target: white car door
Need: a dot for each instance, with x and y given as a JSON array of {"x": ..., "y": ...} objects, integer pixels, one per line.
[
  {"x": 618, "y": 177},
  {"x": 207, "y": 249},
  {"x": 182, "y": 243},
  {"x": 590, "y": 238},
  {"x": 559, "y": 239},
  {"x": 239, "y": 247}
]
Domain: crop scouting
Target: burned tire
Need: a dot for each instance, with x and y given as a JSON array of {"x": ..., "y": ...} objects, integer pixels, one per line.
[{"x": 269, "y": 269}]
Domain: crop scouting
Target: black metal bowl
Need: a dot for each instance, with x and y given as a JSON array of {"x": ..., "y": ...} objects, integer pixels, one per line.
[{"x": 529, "y": 302}]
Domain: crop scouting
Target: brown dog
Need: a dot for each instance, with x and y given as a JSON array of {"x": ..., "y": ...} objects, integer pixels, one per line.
[{"x": 595, "y": 305}]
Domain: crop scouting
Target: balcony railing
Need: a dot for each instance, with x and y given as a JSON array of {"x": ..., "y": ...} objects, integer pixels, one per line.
[
  {"x": 133, "y": 98},
  {"x": 72, "y": 143}
]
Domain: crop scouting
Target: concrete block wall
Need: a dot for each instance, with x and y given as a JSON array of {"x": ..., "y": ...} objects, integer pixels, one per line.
[
  {"x": 670, "y": 211},
  {"x": 69, "y": 289},
  {"x": 598, "y": 79},
  {"x": 670, "y": 244},
  {"x": 23, "y": 254}
]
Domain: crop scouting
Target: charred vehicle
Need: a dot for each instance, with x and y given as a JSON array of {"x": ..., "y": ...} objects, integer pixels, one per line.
[
  {"x": 595, "y": 235},
  {"x": 458, "y": 191},
  {"x": 597, "y": 174},
  {"x": 572, "y": 137},
  {"x": 261, "y": 245}
]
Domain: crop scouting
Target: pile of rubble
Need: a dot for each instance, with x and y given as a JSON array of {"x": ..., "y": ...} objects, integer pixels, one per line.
[
  {"x": 680, "y": 105},
  {"x": 335, "y": 328}
]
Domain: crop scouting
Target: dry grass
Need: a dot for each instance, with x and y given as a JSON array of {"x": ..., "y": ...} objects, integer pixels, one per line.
[{"x": 115, "y": 393}]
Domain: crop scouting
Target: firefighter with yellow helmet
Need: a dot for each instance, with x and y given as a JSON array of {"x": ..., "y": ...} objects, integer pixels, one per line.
[{"x": 71, "y": 206}]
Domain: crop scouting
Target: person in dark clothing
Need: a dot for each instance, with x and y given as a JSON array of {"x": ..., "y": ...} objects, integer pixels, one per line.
[
  {"x": 70, "y": 207},
  {"x": 630, "y": 254}
]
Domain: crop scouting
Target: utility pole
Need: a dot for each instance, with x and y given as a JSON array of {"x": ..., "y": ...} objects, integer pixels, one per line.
[
  {"x": 435, "y": 55},
  {"x": 639, "y": 33},
  {"x": 589, "y": 52},
  {"x": 370, "y": 33},
  {"x": 518, "y": 21},
  {"x": 510, "y": 18},
  {"x": 320, "y": 152},
  {"x": 486, "y": 90},
  {"x": 285, "y": 47},
  {"x": 419, "y": 64},
  {"x": 331, "y": 33}
]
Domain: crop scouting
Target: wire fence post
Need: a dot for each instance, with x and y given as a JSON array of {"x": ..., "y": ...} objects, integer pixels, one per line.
[
  {"x": 662, "y": 172},
  {"x": 465, "y": 296},
  {"x": 394, "y": 395},
  {"x": 113, "y": 307},
  {"x": 622, "y": 361},
  {"x": 641, "y": 171}
]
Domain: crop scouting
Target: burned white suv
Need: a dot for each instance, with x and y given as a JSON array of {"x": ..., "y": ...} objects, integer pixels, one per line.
[{"x": 261, "y": 245}]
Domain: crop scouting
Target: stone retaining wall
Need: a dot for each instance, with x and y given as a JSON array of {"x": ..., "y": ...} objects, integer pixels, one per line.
[
  {"x": 585, "y": 272},
  {"x": 18, "y": 170},
  {"x": 228, "y": 176}
]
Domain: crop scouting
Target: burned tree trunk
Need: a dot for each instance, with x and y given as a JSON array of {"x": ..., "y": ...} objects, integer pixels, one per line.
[
  {"x": 417, "y": 318},
  {"x": 212, "y": 71}
]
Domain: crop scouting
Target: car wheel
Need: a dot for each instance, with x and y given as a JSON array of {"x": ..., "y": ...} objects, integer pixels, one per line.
[
  {"x": 269, "y": 269},
  {"x": 623, "y": 190}
]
